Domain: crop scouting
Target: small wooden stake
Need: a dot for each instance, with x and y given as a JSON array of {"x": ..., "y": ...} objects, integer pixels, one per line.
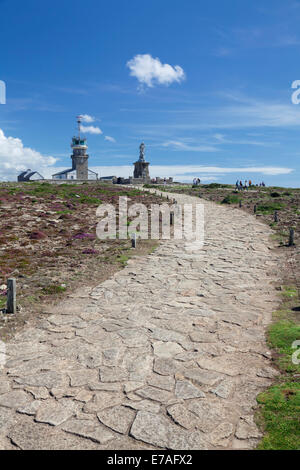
[
  {"x": 171, "y": 218},
  {"x": 254, "y": 208},
  {"x": 291, "y": 237},
  {"x": 275, "y": 216},
  {"x": 133, "y": 241},
  {"x": 11, "y": 296},
  {"x": 240, "y": 204}
]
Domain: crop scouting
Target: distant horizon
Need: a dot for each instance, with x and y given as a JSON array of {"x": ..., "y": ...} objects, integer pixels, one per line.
[{"x": 125, "y": 171}]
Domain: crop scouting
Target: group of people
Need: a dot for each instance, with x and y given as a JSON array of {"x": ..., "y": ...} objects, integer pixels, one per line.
[
  {"x": 240, "y": 186},
  {"x": 196, "y": 181}
]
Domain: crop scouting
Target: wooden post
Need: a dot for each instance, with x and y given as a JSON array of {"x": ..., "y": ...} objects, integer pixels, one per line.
[
  {"x": 275, "y": 216},
  {"x": 291, "y": 237},
  {"x": 254, "y": 208},
  {"x": 171, "y": 218},
  {"x": 133, "y": 240},
  {"x": 11, "y": 296},
  {"x": 240, "y": 204}
]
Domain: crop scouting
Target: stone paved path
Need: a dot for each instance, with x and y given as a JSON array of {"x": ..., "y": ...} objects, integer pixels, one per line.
[{"x": 169, "y": 353}]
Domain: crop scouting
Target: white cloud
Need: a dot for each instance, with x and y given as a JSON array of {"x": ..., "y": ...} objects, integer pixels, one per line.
[
  {"x": 91, "y": 130},
  {"x": 14, "y": 158},
  {"x": 221, "y": 138},
  {"x": 188, "y": 172},
  {"x": 150, "y": 71},
  {"x": 87, "y": 118},
  {"x": 177, "y": 145},
  {"x": 109, "y": 138}
]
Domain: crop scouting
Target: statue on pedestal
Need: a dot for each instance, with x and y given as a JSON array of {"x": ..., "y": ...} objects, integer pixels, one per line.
[{"x": 141, "y": 167}]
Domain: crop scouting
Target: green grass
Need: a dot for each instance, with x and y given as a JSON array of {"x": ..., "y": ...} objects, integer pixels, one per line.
[
  {"x": 289, "y": 292},
  {"x": 215, "y": 186},
  {"x": 53, "y": 289},
  {"x": 89, "y": 200},
  {"x": 269, "y": 208},
  {"x": 65, "y": 211},
  {"x": 2, "y": 302},
  {"x": 279, "y": 406},
  {"x": 231, "y": 199},
  {"x": 123, "y": 259},
  {"x": 281, "y": 335},
  {"x": 280, "y": 413}
]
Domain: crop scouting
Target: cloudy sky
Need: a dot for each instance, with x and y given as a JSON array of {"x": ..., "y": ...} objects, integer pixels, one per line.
[{"x": 206, "y": 85}]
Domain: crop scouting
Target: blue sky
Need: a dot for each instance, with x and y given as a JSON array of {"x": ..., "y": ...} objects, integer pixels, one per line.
[{"x": 206, "y": 85}]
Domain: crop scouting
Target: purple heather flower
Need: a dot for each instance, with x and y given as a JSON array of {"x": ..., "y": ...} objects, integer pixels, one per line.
[{"x": 90, "y": 251}]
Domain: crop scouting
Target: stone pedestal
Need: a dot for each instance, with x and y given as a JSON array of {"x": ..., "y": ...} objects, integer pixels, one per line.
[{"x": 141, "y": 170}]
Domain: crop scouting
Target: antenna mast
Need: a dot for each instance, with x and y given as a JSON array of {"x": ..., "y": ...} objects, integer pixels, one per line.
[{"x": 79, "y": 119}]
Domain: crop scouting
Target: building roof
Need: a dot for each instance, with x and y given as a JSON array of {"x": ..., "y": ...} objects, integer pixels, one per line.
[
  {"x": 26, "y": 175},
  {"x": 64, "y": 172}
]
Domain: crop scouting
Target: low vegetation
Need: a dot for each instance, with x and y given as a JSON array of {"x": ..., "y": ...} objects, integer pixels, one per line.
[
  {"x": 279, "y": 406},
  {"x": 48, "y": 242},
  {"x": 231, "y": 199}
]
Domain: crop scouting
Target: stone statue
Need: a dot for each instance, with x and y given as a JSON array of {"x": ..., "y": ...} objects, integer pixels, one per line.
[{"x": 142, "y": 152}]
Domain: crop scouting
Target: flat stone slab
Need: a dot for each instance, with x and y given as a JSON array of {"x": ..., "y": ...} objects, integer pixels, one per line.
[
  {"x": 159, "y": 381},
  {"x": 112, "y": 374},
  {"x": 7, "y": 418},
  {"x": 118, "y": 418},
  {"x": 152, "y": 428},
  {"x": 202, "y": 377},
  {"x": 157, "y": 430},
  {"x": 186, "y": 390},
  {"x": 29, "y": 435},
  {"x": 54, "y": 413},
  {"x": 155, "y": 394},
  {"x": 181, "y": 415},
  {"x": 164, "y": 366},
  {"x": 4, "y": 386},
  {"x": 49, "y": 379},
  {"x": 102, "y": 400},
  {"x": 82, "y": 377},
  {"x": 14, "y": 399},
  {"x": 166, "y": 349},
  {"x": 88, "y": 429}
]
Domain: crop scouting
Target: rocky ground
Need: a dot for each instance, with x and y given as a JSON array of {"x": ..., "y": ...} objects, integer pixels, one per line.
[
  {"x": 169, "y": 353},
  {"x": 265, "y": 201}
]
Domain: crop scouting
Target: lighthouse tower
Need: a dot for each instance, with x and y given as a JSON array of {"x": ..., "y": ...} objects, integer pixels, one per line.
[{"x": 79, "y": 156}]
